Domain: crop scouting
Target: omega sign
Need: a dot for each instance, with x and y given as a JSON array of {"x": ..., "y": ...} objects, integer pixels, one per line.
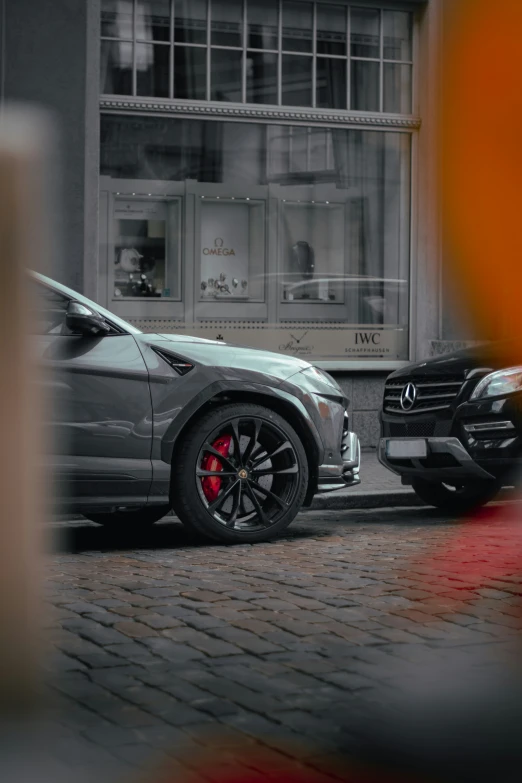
[{"x": 218, "y": 249}]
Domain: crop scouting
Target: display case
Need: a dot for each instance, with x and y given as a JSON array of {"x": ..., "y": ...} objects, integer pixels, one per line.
[{"x": 230, "y": 252}]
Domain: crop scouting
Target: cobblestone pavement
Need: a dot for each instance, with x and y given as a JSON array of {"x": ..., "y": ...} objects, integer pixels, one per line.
[{"x": 164, "y": 648}]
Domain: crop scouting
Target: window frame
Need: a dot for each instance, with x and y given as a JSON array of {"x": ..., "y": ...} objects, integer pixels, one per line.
[{"x": 280, "y": 53}]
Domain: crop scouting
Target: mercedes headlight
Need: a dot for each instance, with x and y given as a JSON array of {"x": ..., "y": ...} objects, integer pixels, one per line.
[{"x": 498, "y": 383}]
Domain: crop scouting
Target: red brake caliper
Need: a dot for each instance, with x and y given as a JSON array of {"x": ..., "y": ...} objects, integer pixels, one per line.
[{"x": 212, "y": 484}]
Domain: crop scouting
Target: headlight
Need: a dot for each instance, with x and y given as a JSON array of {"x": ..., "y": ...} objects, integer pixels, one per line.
[
  {"x": 323, "y": 377},
  {"x": 499, "y": 383}
]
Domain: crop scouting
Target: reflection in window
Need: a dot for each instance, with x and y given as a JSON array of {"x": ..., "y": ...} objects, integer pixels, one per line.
[
  {"x": 397, "y": 35},
  {"x": 262, "y": 17},
  {"x": 297, "y": 80},
  {"x": 261, "y": 77},
  {"x": 397, "y": 88},
  {"x": 190, "y": 73},
  {"x": 116, "y": 67},
  {"x": 331, "y": 29},
  {"x": 364, "y": 87},
  {"x": 297, "y": 26},
  {"x": 365, "y": 32},
  {"x": 226, "y": 25},
  {"x": 152, "y": 70},
  {"x": 225, "y": 75},
  {"x": 190, "y": 21},
  {"x": 353, "y": 189},
  {"x": 153, "y": 20},
  {"x": 331, "y": 83}
]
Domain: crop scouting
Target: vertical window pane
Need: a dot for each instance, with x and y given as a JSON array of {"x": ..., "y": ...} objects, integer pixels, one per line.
[
  {"x": 261, "y": 77},
  {"x": 116, "y": 18},
  {"x": 397, "y": 33},
  {"x": 331, "y": 29},
  {"x": 364, "y": 85},
  {"x": 152, "y": 70},
  {"x": 397, "y": 88},
  {"x": 116, "y": 67},
  {"x": 262, "y": 24},
  {"x": 297, "y": 27},
  {"x": 365, "y": 32},
  {"x": 190, "y": 21},
  {"x": 225, "y": 74},
  {"x": 190, "y": 73},
  {"x": 226, "y": 22},
  {"x": 297, "y": 80},
  {"x": 153, "y": 20},
  {"x": 331, "y": 83}
]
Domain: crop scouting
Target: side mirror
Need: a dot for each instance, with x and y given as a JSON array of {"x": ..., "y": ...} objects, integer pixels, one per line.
[{"x": 80, "y": 319}]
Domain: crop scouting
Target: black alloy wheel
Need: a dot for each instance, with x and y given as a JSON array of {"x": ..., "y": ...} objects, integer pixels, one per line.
[{"x": 249, "y": 472}]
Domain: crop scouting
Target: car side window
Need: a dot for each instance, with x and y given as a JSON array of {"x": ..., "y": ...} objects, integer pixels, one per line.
[{"x": 51, "y": 307}]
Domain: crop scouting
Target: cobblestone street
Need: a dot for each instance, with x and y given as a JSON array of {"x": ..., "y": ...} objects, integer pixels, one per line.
[{"x": 163, "y": 647}]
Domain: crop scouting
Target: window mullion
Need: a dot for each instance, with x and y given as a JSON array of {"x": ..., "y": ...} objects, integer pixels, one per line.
[
  {"x": 134, "y": 73},
  {"x": 280, "y": 56},
  {"x": 244, "y": 57},
  {"x": 348, "y": 59},
  {"x": 209, "y": 22},
  {"x": 314, "y": 55},
  {"x": 381, "y": 63},
  {"x": 171, "y": 58}
]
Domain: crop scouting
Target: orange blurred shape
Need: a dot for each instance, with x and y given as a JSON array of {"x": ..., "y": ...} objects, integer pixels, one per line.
[{"x": 482, "y": 159}]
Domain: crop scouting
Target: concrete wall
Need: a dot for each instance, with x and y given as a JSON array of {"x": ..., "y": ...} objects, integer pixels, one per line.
[
  {"x": 365, "y": 392},
  {"x": 51, "y": 59}
]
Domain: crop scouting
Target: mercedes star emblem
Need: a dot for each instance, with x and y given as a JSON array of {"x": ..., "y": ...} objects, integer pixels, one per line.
[{"x": 408, "y": 397}]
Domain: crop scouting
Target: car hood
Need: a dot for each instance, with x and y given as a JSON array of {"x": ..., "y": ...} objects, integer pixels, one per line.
[
  {"x": 488, "y": 356},
  {"x": 214, "y": 353}
]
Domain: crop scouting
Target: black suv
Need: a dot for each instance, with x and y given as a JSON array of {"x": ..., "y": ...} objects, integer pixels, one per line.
[{"x": 451, "y": 426}]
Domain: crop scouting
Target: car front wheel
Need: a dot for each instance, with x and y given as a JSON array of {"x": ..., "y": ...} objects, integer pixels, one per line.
[
  {"x": 240, "y": 474},
  {"x": 462, "y": 498}
]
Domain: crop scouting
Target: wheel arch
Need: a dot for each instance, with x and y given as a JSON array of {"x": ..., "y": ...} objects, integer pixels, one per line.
[{"x": 276, "y": 402}]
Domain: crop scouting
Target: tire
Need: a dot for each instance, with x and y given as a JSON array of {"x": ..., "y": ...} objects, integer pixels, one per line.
[
  {"x": 130, "y": 520},
  {"x": 462, "y": 499},
  {"x": 251, "y": 484}
]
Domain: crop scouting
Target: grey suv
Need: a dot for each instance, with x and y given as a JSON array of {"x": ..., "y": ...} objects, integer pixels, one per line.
[{"x": 235, "y": 440}]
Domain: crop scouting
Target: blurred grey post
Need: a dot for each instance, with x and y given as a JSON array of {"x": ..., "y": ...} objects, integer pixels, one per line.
[{"x": 24, "y": 147}]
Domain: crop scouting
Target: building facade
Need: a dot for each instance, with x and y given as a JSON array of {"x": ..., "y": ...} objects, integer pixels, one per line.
[{"x": 255, "y": 171}]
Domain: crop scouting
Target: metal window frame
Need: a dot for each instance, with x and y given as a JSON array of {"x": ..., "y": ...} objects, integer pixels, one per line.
[{"x": 348, "y": 5}]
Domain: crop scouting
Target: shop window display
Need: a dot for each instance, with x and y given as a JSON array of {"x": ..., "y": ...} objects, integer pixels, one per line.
[{"x": 265, "y": 226}]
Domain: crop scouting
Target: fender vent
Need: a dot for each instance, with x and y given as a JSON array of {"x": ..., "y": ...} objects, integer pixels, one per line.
[{"x": 181, "y": 366}]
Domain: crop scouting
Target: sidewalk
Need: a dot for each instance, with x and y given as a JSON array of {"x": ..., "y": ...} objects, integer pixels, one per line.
[{"x": 379, "y": 487}]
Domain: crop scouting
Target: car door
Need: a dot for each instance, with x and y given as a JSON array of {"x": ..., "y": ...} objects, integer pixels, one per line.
[{"x": 100, "y": 409}]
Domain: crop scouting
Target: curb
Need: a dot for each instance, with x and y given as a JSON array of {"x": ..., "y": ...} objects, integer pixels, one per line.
[
  {"x": 377, "y": 498},
  {"x": 382, "y": 498}
]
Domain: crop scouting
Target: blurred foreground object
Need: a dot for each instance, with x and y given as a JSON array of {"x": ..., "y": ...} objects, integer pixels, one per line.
[
  {"x": 482, "y": 160},
  {"x": 24, "y": 143}
]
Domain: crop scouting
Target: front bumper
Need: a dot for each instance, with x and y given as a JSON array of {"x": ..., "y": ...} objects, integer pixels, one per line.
[
  {"x": 447, "y": 460},
  {"x": 332, "y": 477}
]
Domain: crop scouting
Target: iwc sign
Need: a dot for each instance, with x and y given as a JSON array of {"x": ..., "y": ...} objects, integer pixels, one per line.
[{"x": 318, "y": 343}]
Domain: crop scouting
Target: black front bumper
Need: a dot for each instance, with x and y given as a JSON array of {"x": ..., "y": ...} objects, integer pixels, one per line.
[
  {"x": 476, "y": 440},
  {"x": 446, "y": 460}
]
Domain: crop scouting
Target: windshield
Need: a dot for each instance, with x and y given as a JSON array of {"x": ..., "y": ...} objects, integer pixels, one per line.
[{"x": 69, "y": 292}]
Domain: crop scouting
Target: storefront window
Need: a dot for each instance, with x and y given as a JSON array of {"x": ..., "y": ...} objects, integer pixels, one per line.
[
  {"x": 261, "y": 229},
  {"x": 271, "y": 52}
]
